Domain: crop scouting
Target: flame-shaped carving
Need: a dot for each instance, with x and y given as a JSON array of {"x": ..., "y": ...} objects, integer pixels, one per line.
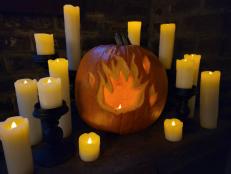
[
  {"x": 91, "y": 79},
  {"x": 120, "y": 88}
]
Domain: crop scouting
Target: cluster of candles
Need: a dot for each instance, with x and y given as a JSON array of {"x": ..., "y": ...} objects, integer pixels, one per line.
[{"x": 19, "y": 133}]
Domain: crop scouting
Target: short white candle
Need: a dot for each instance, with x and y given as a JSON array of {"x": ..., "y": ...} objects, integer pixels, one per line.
[
  {"x": 59, "y": 68},
  {"x": 166, "y": 45},
  {"x": 50, "y": 92},
  {"x": 134, "y": 32},
  {"x": 209, "y": 99},
  {"x": 184, "y": 74},
  {"x": 44, "y": 44},
  {"x": 14, "y": 134},
  {"x": 27, "y": 95},
  {"x": 72, "y": 33},
  {"x": 173, "y": 129},
  {"x": 89, "y": 146}
]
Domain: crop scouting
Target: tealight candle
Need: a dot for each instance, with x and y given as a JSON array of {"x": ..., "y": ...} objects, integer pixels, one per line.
[
  {"x": 195, "y": 58},
  {"x": 44, "y": 44},
  {"x": 134, "y": 30},
  {"x": 184, "y": 74},
  {"x": 59, "y": 68},
  {"x": 27, "y": 95},
  {"x": 89, "y": 146},
  {"x": 166, "y": 46},
  {"x": 72, "y": 34},
  {"x": 14, "y": 133},
  {"x": 173, "y": 129},
  {"x": 49, "y": 90},
  {"x": 209, "y": 98}
]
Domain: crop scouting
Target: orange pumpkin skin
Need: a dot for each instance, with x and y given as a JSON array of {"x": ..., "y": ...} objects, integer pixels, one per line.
[{"x": 120, "y": 89}]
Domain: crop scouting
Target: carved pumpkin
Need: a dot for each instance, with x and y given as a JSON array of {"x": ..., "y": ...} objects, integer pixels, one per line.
[{"x": 121, "y": 89}]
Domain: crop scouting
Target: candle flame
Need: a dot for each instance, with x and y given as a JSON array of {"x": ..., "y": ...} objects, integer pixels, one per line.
[
  {"x": 210, "y": 72},
  {"x": 13, "y": 125},
  {"x": 119, "y": 107},
  {"x": 57, "y": 60},
  {"x": 89, "y": 141},
  {"x": 49, "y": 81},
  {"x": 25, "y": 82},
  {"x": 173, "y": 123}
]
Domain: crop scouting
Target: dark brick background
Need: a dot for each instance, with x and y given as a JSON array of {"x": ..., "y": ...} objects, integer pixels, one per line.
[{"x": 203, "y": 26}]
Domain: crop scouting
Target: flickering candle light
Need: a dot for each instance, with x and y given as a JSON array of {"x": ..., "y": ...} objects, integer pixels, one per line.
[
  {"x": 209, "y": 98},
  {"x": 173, "y": 129},
  {"x": 195, "y": 58},
  {"x": 166, "y": 46},
  {"x": 14, "y": 134},
  {"x": 50, "y": 92},
  {"x": 184, "y": 74},
  {"x": 72, "y": 33},
  {"x": 134, "y": 31},
  {"x": 44, "y": 44},
  {"x": 89, "y": 146},
  {"x": 59, "y": 68},
  {"x": 27, "y": 96}
]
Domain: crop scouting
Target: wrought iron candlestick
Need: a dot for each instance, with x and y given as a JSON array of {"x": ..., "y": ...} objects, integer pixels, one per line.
[
  {"x": 182, "y": 96},
  {"x": 55, "y": 150}
]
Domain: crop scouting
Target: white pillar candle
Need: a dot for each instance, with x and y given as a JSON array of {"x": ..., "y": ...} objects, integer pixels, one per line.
[
  {"x": 59, "y": 68},
  {"x": 173, "y": 129},
  {"x": 50, "y": 92},
  {"x": 166, "y": 46},
  {"x": 89, "y": 146},
  {"x": 14, "y": 134},
  {"x": 44, "y": 44},
  {"x": 27, "y": 96},
  {"x": 134, "y": 31},
  {"x": 72, "y": 33},
  {"x": 209, "y": 98},
  {"x": 195, "y": 58},
  {"x": 184, "y": 74}
]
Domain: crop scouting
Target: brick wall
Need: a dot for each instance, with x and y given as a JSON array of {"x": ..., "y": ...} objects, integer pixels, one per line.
[{"x": 203, "y": 26}]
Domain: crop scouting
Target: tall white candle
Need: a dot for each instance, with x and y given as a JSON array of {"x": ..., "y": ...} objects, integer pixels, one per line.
[
  {"x": 27, "y": 96},
  {"x": 184, "y": 74},
  {"x": 14, "y": 134},
  {"x": 59, "y": 68},
  {"x": 195, "y": 58},
  {"x": 134, "y": 31},
  {"x": 209, "y": 98},
  {"x": 72, "y": 33},
  {"x": 50, "y": 92},
  {"x": 44, "y": 44},
  {"x": 166, "y": 46}
]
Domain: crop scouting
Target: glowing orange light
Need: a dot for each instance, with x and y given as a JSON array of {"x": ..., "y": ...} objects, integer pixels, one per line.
[
  {"x": 89, "y": 141},
  {"x": 13, "y": 125},
  {"x": 173, "y": 123}
]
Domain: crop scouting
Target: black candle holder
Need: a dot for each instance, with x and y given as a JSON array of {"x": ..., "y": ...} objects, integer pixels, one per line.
[
  {"x": 55, "y": 150},
  {"x": 182, "y": 97}
]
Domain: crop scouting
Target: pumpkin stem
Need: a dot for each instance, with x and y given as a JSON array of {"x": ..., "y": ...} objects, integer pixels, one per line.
[
  {"x": 121, "y": 39},
  {"x": 118, "y": 39}
]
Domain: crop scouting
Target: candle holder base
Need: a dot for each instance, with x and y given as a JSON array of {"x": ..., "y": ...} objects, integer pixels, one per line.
[
  {"x": 55, "y": 150},
  {"x": 182, "y": 96}
]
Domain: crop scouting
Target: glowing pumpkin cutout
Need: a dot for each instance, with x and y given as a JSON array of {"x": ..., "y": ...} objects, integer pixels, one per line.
[{"x": 121, "y": 89}]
